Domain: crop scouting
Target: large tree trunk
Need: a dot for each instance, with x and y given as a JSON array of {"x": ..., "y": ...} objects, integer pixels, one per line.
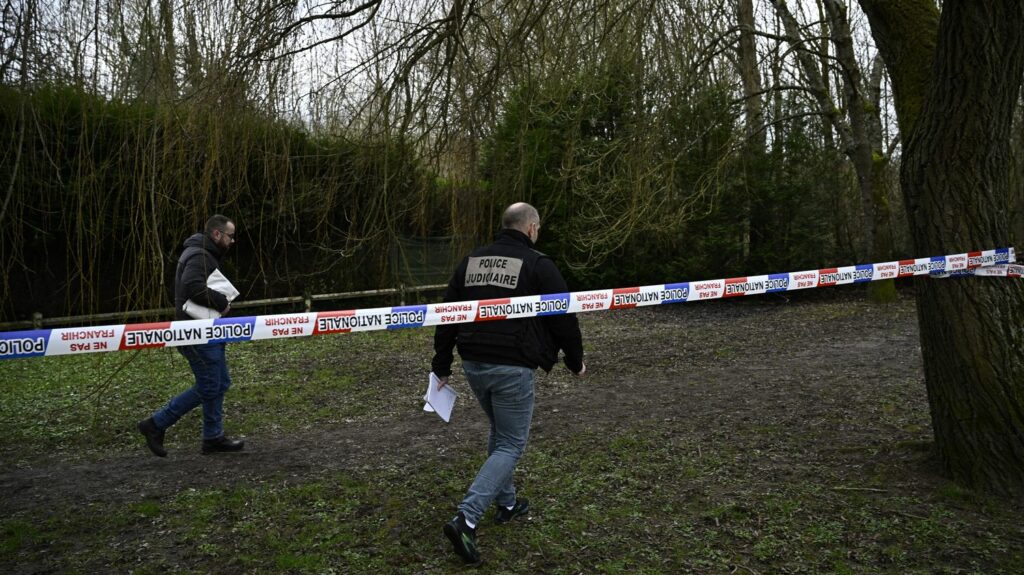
[{"x": 957, "y": 125}]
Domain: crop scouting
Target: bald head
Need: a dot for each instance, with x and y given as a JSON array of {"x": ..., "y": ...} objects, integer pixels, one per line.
[{"x": 520, "y": 216}]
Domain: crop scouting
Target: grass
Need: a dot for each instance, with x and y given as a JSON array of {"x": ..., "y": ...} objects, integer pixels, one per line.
[
  {"x": 88, "y": 405},
  {"x": 644, "y": 496},
  {"x": 609, "y": 503}
]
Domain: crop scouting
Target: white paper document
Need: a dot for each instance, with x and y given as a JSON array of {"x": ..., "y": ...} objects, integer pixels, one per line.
[
  {"x": 441, "y": 400},
  {"x": 217, "y": 282}
]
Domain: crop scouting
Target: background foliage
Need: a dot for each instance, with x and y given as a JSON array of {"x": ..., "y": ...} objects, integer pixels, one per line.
[
  {"x": 106, "y": 192},
  {"x": 657, "y": 145}
]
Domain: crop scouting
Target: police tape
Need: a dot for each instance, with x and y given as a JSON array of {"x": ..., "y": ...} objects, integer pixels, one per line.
[{"x": 76, "y": 340}]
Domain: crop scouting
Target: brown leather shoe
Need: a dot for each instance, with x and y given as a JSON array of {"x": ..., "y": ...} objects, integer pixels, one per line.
[
  {"x": 222, "y": 444},
  {"x": 154, "y": 437}
]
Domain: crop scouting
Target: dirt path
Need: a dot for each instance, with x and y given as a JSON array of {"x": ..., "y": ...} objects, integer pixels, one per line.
[{"x": 801, "y": 387}]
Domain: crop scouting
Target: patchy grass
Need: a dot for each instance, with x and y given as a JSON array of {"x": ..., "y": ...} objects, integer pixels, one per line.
[
  {"x": 736, "y": 450},
  {"x": 84, "y": 406},
  {"x": 604, "y": 502}
]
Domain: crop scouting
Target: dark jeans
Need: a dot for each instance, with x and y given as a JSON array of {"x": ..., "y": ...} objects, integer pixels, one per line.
[{"x": 210, "y": 367}]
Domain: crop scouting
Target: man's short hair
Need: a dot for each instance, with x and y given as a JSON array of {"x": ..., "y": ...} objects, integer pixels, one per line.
[
  {"x": 519, "y": 216},
  {"x": 216, "y": 222}
]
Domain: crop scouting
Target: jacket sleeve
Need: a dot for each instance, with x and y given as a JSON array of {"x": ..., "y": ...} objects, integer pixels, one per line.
[
  {"x": 197, "y": 269},
  {"x": 564, "y": 328},
  {"x": 445, "y": 335}
]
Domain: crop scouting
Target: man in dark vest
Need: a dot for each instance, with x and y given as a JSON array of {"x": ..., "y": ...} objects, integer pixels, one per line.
[
  {"x": 201, "y": 257},
  {"x": 499, "y": 359}
]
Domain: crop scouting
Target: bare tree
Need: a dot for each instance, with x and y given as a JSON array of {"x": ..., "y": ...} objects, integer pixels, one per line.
[{"x": 851, "y": 127}]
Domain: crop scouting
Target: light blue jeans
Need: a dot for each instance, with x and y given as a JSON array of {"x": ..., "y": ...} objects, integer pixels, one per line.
[
  {"x": 210, "y": 367},
  {"x": 505, "y": 392}
]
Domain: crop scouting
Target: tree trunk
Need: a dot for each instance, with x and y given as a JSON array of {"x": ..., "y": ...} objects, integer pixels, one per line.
[
  {"x": 957, "y": 116},
  {"x": 756, "y": 140},
  {"x": 852, "y": 129},
  {"x": 883, "y": 291},
  {"x": 858, "y": 146},
  {"x": 750, "y": 75}
]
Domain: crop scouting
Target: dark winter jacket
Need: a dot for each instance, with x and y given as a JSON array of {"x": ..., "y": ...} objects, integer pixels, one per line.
[
  {"x": 509, "y": 267},
  {"x": 200, "y": 258}
]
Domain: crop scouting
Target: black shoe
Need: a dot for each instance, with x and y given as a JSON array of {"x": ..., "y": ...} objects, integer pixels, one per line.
[
  {"x": 504, "y": 514},
  {"x": 222, "y": 444},
  {"x": 463, "y": 539},
  {"x": 154, "y": 437}
]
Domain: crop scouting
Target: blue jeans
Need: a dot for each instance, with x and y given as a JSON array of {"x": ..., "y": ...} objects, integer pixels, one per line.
[
  {"x": 210, "y": 367},
  {"x": 505, "y": 392}
]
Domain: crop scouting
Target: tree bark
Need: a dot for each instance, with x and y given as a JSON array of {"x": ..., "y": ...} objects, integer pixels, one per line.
[
  {"x": 756, "y": 140},
  {"x": 750, "y": 75},
  {"x": 955, "y": 106},
  {"x": 858, "y": 147},
  {"x": 883, "y": 291}
]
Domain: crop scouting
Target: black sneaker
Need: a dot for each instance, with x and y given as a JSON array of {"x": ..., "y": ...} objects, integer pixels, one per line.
[
  {"x": 463, "y": 539},
  {"x": 154, "y": 436},
  {"x": 222, "y": 444},
  {"x": 504, "y": 514}
]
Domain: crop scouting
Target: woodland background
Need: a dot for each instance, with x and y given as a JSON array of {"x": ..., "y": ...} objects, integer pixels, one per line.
[{"x": 661, "y": 141}]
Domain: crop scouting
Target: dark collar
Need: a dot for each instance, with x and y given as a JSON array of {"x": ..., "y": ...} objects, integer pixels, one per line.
[{"x": 516, "y": 236}]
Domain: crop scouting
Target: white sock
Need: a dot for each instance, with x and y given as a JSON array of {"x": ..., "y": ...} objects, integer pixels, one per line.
[
  {"x": 470, "y": 524},
  {"x": 509, "y": 507}
]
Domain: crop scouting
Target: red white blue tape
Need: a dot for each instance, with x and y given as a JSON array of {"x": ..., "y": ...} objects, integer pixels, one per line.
[{"x": 75, "y": 340}]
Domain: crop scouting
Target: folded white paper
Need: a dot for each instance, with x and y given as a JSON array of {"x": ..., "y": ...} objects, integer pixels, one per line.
[
  {"x": 440, "y": 400},
  {"x": 218, "y": 283}
]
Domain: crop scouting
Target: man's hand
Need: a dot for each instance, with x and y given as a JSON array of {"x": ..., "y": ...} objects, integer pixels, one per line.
[
  {"x": 582, "y": 371},
  {"x": 442, "y": 381}
]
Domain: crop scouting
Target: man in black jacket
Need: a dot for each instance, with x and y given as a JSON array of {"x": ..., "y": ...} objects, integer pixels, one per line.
[
  {"x": 201, "y": 257},
  {"x": 499, "y": 359}
]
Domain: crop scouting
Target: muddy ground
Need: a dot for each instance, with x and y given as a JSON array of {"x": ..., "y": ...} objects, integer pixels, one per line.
[{"x": 826, "y": 389}]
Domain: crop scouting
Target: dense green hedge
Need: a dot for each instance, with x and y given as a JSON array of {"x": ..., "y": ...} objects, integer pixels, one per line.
[{"x": 101, "y": 194}]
